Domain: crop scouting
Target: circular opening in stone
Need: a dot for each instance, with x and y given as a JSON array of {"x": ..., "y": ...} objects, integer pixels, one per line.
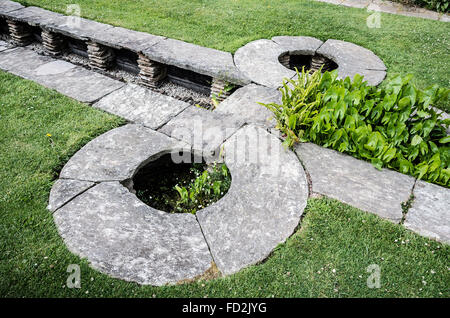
[
  {"x": 181, "y": 187},
  {"x": 311, "y": 63}
]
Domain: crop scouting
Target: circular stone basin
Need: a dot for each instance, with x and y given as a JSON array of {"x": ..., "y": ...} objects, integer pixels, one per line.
[
  {"x": 159, "y": 183},
  {"x": 270, "y": 62}
]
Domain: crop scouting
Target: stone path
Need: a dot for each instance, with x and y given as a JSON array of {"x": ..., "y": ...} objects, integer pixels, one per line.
[
  {"x": 356, "y": 182},
  {"x": 68, "y": 79},
  {"x": 391, "y": 7},
  {"x": 99, "y": 216}
]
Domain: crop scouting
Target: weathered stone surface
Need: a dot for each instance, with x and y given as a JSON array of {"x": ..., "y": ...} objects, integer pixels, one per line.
[
  {"x": 356, "y": 3},
  {"x": 331, "y": 1},
  {"x": 203, "y": 129},
  {"x": 78, "y": 28},
  {"x": 263, "y": 205},
  {"x": 4, "y": 46},
  {"x": 124, "y": 238},
  {"x": 143, "y": 106},
  {"x": 8, "y": 6},
  {"x": 76, "y": 82},
  {"x": 35, "y": 16},
  {"x": 198, "y": 59},
  {"x": 115, "y": 155},
  {"x": 55, "y": 67},
  {"x": 65, "y": 190},
  {"x": 298, "y": 45},
  {"x": 445, "y": 17},
  {"x": 384, "y": 6},
  {"x": 429, "y": 214},
  {"x": 356, "y": 182},
  {"x": 243, "y": 103},
  {"x": 373, "y": 78},
  {"x": 351, "y": 56},
  {"x": 258, "y": 60},
  {"x": 121, "y": 38}
]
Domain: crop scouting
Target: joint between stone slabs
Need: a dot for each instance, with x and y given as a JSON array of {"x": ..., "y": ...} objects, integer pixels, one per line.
[
  {"x": 207, "y": 244},
  {"x": 308, "y": 176},
  {"x": 107, "y": 94},
  {"x": 75, "y": 196},
  {"x": 407, "y": 205}
]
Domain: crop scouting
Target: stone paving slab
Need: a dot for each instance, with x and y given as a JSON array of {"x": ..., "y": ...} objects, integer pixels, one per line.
[
  {"x": 35, "y": 16},
  {"x": 429, "y": 214},
  {"x": 263, "y": 205},
  {"x": 351, "y": 56},
  {"x": 355, "y": 3},
  {"x": 199, "y": 59},
  {"x": 243, "y": 103},
  {"x": 142, "y": 106},
  {"x": 4, "y": 46},
  {"x": 78, "y": 28},
  {"x": 68, "y": 79},
  {"x": 65, "y": 190},
  {"x": 124, "y": 238},
  {"x": 205, "y": 130},
  {"x": 391, "y": 7},
  {"x": 356, "y": 182},
  {"x": 258, "y": 60},
  {"x": 121, "y": 38},
  {"x": 373, "y": 78},
  {"x": 298, "y": 45},
  {"x": 8, "y": 6},
  {"x": 117, "y": 154},
  {"x": 384, "y": 6}
]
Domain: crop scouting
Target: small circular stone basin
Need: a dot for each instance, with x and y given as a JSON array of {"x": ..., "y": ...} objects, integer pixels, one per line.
[
  {"x": 181, "y": 187},
  {"x": 311, "y": 63}
]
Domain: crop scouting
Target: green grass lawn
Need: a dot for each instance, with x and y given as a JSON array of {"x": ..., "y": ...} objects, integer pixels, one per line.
[
  {"x": 405, "y": 44},
  {"x": 327, "y": 257}
]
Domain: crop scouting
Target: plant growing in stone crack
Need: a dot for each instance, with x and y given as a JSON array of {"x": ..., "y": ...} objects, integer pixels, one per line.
[
  {"x": 206, "y": 188},
  {"x": 215, "y": 99},
  {"x": 394, "y": 126}
]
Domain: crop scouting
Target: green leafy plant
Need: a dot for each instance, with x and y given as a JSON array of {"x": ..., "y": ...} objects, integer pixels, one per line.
[
  {"x": 207, "y": 187},
  {"x": 437, "y": 5},
  {"x": 215, "y": 97},
  {"x": 393, "y": 127}
]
